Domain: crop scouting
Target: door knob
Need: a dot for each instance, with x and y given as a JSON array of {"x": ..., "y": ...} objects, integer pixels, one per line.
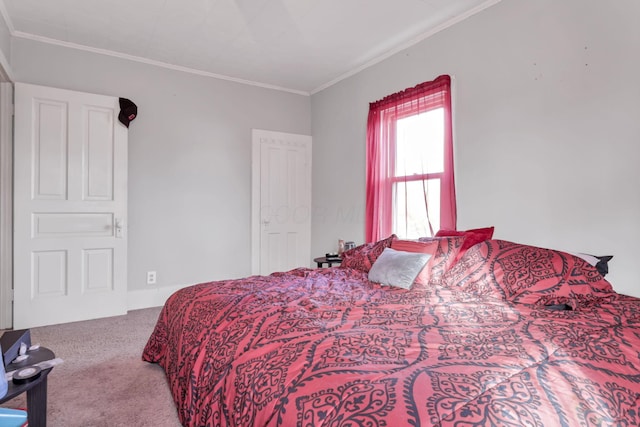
[{"x": 118, "y": 228}]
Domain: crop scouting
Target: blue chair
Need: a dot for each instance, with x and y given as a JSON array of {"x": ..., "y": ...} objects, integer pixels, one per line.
[{"x": 12, "y": 417}]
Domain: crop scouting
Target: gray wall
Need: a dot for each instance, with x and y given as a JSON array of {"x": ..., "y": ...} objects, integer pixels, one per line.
[
  {"x": 189, "y": 157},
  {"x": 547, "y": 128},
  {"x": 546, "y": 138}
]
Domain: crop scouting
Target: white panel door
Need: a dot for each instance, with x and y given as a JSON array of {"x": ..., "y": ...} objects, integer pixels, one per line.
[
  {"x": 282, "y": 188},
  {"x": 70, "y": 207}
]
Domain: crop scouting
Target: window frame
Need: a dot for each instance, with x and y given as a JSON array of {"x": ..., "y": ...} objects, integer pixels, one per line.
[
  {"x": 381, "y": 155},
  {"x": 395, "y": 179}
]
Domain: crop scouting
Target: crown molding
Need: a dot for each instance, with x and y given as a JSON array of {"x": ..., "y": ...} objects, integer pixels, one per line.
[
  {"x": 70, "y": 45},
  {"x": 7, "y": 18},
  {"x": 408, "y": 44},
  {"x": 450, "y": 22},
  {"x": 19, "y": 34},
  {"x": 6, "y": 74},
  {"x": 5, "y": 64}
]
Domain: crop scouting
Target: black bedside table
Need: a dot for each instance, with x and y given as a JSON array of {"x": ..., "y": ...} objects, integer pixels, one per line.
[
  {"x": 36, "y": 389},
  {"x": 323, "y": 260}
]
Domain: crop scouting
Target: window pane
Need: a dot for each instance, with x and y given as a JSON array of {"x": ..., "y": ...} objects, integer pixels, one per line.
[
  {"x": 420, "y": 143},
  {"x": 409, "y": 213}
]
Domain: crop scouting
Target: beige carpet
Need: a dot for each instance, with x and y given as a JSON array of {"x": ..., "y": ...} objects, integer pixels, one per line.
[{"x": 103, "y": 382}]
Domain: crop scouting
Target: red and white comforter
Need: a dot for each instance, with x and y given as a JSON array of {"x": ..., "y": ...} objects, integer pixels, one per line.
[{"x": 326, "y": 347}]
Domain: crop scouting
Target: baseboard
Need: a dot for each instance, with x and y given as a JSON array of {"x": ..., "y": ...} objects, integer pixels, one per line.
[{"x": 146, "y": 298}]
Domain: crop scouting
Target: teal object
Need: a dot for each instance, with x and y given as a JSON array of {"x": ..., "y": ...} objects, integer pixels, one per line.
[{"x": 12, "y": 417}]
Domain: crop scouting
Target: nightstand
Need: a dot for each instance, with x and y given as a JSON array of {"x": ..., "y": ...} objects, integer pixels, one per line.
[
  {"x": 36, "y": 389},
  {"x": 329, "y": 261}
]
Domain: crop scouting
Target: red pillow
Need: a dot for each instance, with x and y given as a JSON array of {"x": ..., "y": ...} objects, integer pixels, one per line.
[
  {"x": 471, "y": 237},
  {"x": 441, "y": 261},
  {"x": 362, "y": 257},
  {"x": 528, "y": 274},
  {"x": 415, "y": 246}
]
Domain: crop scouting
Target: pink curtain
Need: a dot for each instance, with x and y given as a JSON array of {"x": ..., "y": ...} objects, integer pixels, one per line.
[{"x": 381, "y": 131}]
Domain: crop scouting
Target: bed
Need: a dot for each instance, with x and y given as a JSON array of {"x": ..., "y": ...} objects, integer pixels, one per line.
[{"x": 497, "y": 333}]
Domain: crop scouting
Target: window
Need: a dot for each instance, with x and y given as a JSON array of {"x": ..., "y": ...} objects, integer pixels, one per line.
[{"x": 410, "y": 185}]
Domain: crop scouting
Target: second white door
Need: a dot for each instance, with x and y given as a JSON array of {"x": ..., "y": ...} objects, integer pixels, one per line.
[{"x": 282, "y": 201}]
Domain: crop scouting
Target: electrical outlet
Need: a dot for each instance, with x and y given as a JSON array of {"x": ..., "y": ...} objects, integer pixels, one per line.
[{"x": 151, "y": 277}]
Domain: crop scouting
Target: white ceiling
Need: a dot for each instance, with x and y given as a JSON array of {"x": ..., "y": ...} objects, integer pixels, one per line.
[{"x": 297, "y": 45}]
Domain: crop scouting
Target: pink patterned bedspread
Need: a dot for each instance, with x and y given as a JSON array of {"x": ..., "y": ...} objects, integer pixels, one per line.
[{"x": 326, "y": 347}]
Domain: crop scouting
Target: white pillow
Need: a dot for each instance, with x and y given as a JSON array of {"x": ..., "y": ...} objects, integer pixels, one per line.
[{"x": 397, "y": 268}]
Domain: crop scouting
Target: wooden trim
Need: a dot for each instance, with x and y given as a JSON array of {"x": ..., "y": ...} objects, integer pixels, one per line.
[{"x": 6, "y": 205}]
